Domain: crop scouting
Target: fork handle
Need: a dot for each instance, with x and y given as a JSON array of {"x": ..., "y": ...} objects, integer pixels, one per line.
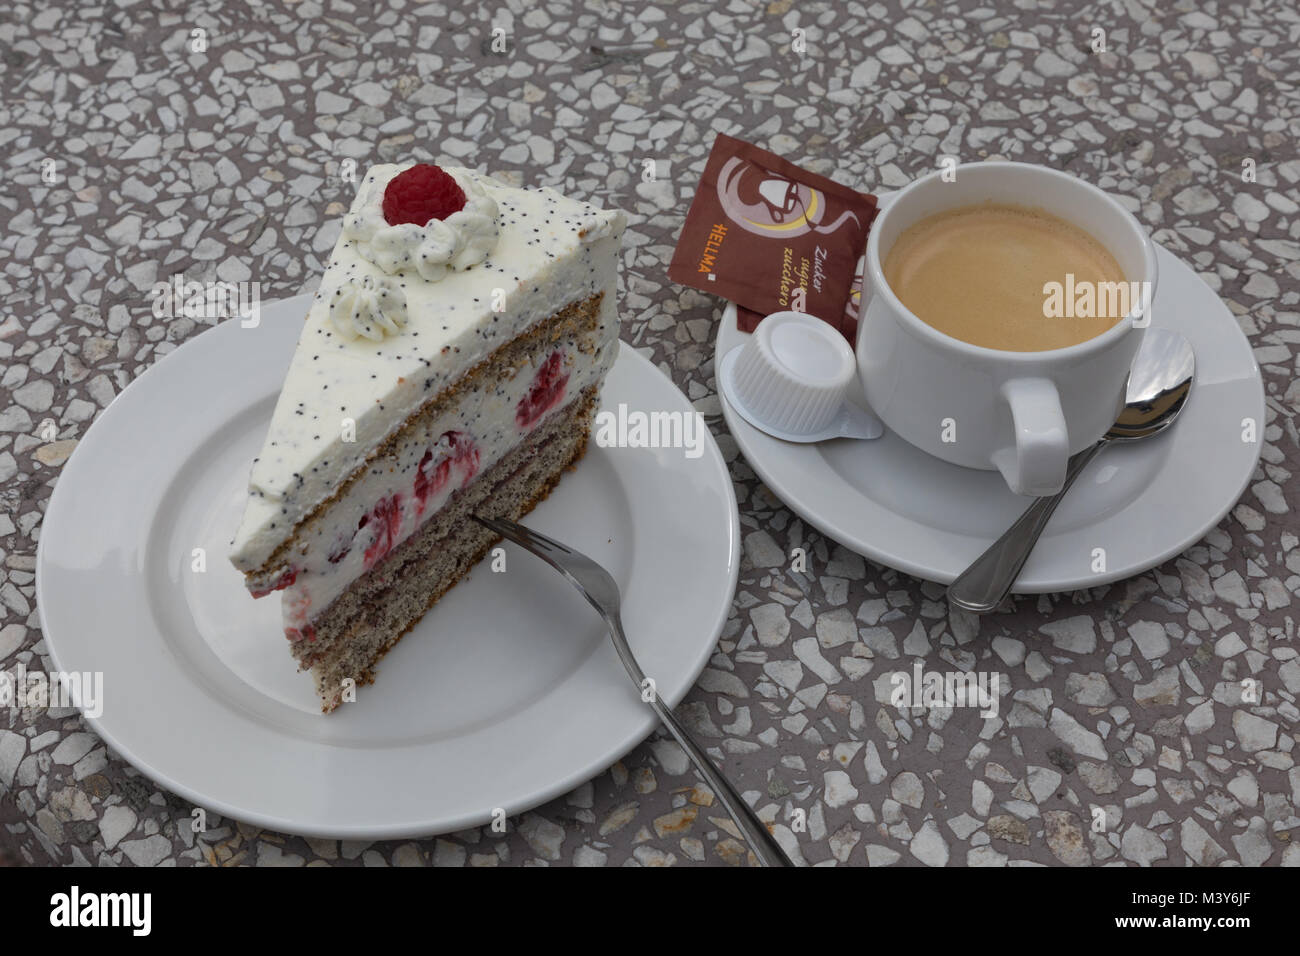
[
  {"x": 765, "y": 847},
  {"x": 754, "y": 830}
]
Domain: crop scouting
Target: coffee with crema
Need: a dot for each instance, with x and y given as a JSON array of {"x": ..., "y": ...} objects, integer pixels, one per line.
[{"x": 981, "y": 274}]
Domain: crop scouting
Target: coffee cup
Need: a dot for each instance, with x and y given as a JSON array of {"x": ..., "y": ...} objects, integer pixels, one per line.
[{"x": 1023, "y": 413}]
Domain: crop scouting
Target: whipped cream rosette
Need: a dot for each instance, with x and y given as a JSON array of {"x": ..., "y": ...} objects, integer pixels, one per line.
[
  {"x": 368, "y": 307},
  {"x": 388, "y": 234}
]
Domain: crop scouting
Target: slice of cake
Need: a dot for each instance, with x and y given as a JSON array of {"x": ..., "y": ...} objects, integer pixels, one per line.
[{"x": 450, "y": 365}]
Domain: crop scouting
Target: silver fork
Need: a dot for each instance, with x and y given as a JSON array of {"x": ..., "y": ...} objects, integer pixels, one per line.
[{"x": 601, "y": 591}]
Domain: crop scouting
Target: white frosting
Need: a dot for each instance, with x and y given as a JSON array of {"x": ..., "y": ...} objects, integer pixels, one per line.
[
  {"x": 462, "y": 240},
  {"x": 368, "y": 307},
  {"x": 343, "y": 396}
]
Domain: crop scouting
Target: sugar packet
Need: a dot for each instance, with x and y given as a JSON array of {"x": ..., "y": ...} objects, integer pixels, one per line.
[{"x": 772, "y": 237}]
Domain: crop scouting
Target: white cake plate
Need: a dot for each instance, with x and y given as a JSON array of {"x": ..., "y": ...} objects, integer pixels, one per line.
[{"x": 506, "y": 694}]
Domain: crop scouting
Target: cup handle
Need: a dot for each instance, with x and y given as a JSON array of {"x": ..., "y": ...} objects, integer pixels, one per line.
[{"x": 1036, "y": 464}]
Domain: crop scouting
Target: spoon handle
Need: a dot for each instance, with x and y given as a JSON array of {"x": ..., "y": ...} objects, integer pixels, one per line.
[{"x": 982, "y": 586}]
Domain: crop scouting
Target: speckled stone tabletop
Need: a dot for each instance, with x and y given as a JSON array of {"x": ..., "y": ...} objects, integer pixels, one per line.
[{"x": 207, "y": 141}]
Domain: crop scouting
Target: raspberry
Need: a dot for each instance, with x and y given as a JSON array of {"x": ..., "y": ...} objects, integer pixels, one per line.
[
  {"x": 295, "y": 635},
  {"x": 421, "y": 193},
  {"x": 545, "y": 392}
]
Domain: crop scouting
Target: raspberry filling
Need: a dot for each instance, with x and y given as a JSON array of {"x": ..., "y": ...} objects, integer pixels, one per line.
[
  {"x": 387, "y": 515},
  {"x": 421, "y": 193},
  {"x": 297, "y": 604},
  {"x": 431, "y": 479},
  {"x": 458, "y": 453},
  {"x": 545, "y": 393}
]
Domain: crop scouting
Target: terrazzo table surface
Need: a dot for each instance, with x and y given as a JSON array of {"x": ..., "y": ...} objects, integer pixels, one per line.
[{"x": 223, "y": 163}]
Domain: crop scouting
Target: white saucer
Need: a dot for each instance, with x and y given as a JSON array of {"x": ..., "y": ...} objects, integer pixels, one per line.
[
  {"x": 507, "y": 694},
  {"x": 1141, "y": 503}
]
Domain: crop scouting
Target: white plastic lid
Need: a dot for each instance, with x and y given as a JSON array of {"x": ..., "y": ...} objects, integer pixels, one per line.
[{"x": 793, "y": 372}]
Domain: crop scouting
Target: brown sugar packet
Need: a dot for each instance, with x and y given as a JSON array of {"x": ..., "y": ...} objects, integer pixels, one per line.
[
  {"x": 772, "y": 237},
  {"x": 747, "y": 320}
]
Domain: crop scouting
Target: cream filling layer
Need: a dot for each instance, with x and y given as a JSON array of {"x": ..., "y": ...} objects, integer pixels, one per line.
[
  {"x": 399, "y": 493},
  {"x": 342, "y": 397}
]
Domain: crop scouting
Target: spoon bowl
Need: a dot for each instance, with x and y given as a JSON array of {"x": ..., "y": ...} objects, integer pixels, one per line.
[{"x": 1158, "y": 386}]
